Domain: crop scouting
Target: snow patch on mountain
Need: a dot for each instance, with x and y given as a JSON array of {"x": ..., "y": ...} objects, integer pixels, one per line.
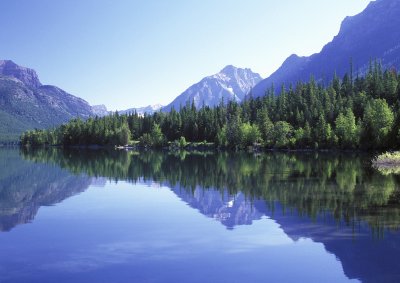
[{"x": 229, "y": 84}]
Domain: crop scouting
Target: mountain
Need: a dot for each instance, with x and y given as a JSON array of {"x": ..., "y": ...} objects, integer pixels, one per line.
[
  {"x": 230, "y": 83},
  {"x": 26, "y": 104},
  {"x": 229, "y": 210},
  {"x": 25, "y": 75},
  {"x": 100, "y": 110},
  {"x": 150, "y": 109},
  {"x": 373, "y": 34},
  {"x": 27, "y": 185}
]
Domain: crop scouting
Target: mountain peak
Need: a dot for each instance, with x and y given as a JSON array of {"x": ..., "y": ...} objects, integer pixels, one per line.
[
  {"x": 99, "y": 110},
  {"x": 229, "y": 69},
  {"x": 150, "y": 109},
  {"x": 231, "y": 83},
  {"x": 372, "y": 34},
  {"x": 25, "y": 75},
  {"x": 27, "y": 104}
]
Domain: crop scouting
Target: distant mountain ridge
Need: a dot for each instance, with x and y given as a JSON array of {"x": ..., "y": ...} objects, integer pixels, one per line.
[
  {"x": 27, "y": 104},
  {"x": 230, "y": 83},
  {"x": 150, "y": 109},
  {"x": 372, "y": 34},
  {"x": 100, "y": 110}
]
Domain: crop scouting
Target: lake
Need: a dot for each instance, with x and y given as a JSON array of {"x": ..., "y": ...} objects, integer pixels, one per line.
[{"x": 127, "y": 216}]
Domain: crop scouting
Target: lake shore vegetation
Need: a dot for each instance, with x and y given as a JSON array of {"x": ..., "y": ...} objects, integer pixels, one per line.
[
  {"x": 388, "y": 162},
  {"x": 348, "y": 113}
]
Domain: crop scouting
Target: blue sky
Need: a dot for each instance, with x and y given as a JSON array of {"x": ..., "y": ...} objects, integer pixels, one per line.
[{"x": 128, "y": 53}]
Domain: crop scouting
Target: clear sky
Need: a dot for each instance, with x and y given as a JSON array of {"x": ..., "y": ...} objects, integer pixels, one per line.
[{"x": 129, "y": 53}]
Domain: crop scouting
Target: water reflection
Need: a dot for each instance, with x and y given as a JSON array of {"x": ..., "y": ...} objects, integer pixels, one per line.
[
  {"x": 334, "y": 199},
  {"x": 340, "y": 187},
  {"x": 26, "y": 186}
]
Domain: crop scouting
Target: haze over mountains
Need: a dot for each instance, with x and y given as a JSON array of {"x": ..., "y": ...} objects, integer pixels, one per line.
[{"x": 373, "y": 34}]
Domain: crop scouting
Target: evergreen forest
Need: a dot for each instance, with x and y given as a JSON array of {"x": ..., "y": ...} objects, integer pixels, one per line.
[{"x": 347, "y": 113}]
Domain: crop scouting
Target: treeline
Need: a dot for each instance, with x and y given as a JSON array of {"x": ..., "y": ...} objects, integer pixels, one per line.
[{"x": 349, "y": 113}]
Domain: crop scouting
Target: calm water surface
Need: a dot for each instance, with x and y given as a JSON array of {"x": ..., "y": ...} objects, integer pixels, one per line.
[{"x": 115, "y": 216}]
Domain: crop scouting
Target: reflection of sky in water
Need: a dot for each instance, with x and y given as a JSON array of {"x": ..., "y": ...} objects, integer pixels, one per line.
[{"x": 137, "y": 233}]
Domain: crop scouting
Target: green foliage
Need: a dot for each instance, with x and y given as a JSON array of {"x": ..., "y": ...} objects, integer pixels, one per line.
[
  {"x": 182, "y": 142},
  {"x": 153, "y": 139},
  {"x": 110, "y": 130},
  {"x": 265, "y": 125},
  {"x": 345, "y": 114},
  {"x": 387, "y": 163},
  {"x": 157, "y": 136},
  {"x": 179, "y": 144},
  {"x": 234, "y": 121},
  {"x": 346, "y": 129},
  {"x": 323, "y": 132},
  {"x": 282, "y": 134},
  {"x": 23, "y": 108},
  {"x": 249, "y": 134},
  {"x": 310, "y": 184},
  {"x": 221, "y": 140},
  {"x": 378, "y": 121}
]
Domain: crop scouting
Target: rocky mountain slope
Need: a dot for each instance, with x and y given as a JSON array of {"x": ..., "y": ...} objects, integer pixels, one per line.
[
  {"x": 100, "y": 110},
  {"x": 230, "y": 83},
  {"x": 26, "y": 104},
  {"x": 373, "y": 34}
]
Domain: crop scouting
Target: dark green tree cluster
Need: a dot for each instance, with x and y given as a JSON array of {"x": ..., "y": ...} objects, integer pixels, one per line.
[
  {"x": 109, "y": 130},
  {"x": 350, "y": 113}
]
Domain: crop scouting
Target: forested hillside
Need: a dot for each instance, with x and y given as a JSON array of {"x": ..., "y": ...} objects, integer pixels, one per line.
[
  {"x": 373, "y": 33},
  {"x": 349, "y": 113}
]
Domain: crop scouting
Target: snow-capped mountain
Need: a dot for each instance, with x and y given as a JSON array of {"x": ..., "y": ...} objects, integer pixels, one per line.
[
  {"x": 150, "y": 109},
  {"x": 100, "y": 110},
  {"x": 230, "y": 83}
]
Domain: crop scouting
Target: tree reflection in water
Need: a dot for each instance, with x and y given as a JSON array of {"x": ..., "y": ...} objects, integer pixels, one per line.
[{"x": 319, "y": 186}]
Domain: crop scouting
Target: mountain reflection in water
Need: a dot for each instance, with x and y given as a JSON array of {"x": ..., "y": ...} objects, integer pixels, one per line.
[
  {"x": 334, "y": 199},
  {"x": 318, "y": 186}
]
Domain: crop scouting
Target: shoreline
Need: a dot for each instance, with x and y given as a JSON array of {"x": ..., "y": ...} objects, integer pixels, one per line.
[
  {"x": 387, "y": 163},
  {"x": 200, "y": 147}
]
